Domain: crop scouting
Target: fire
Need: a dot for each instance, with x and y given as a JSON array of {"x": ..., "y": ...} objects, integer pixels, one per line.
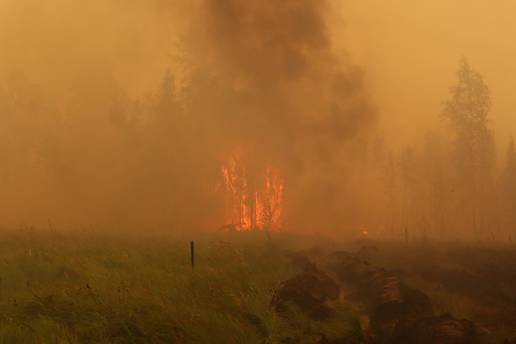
[{"x": 252, "y": 202}]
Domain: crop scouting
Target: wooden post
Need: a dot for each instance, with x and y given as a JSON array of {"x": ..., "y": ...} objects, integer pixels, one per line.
[{"x": 192, "y": 253}]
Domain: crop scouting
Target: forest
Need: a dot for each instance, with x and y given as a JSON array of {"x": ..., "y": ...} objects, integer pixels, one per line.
[
  {"x": 274, "y": 172},
  {"x": 455, "y": 183}
]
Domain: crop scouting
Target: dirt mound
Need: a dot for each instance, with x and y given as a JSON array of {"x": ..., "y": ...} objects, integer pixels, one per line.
[
  {"x": 407, "y": 305},
  {"x": 388, "y": 300},
  {"x": 378, "y": 287},
  {"x": 316, "y": 338},
  {"x": 436, "y": 330},
  {"x": 398, "y": 314},
  {"x": 311, "y": 291}
]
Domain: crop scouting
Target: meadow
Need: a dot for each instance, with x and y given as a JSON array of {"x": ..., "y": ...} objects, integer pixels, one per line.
[{"x": 99, "y": 288}]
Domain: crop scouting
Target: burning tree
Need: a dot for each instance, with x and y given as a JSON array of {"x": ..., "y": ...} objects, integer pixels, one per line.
[{"x": 254, "y": 200}]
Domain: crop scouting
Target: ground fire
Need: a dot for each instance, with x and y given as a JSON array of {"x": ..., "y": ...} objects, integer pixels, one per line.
[{"x": 253, "y": 201}]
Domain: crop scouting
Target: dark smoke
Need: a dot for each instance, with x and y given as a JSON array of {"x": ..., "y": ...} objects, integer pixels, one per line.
[
  {"x": 291, "y": 102},
  {"x": 257, "y": 77}
]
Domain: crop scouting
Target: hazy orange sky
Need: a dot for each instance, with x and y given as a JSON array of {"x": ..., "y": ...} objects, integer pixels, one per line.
[{"x": 411, "y": 50}]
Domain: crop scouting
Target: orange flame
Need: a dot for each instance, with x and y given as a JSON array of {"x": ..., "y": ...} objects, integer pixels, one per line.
[{"x": 256, "y": 204}]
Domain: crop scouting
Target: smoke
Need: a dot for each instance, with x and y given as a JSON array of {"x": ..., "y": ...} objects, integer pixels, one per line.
[
  {"x": 287, "y": 101},
  {"x": 87, "y": 140}
]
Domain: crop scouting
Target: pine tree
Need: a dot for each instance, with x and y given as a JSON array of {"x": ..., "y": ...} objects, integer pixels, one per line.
[
  {"x": 508, "y": 187},
  {"x": 467, "y": 111}
]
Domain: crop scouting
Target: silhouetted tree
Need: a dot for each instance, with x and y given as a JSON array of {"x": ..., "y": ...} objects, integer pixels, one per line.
[
  {"x": 467, "y": 111},
  {"x": 439, "y": 186},
  {"x": 508, "y": 188}
]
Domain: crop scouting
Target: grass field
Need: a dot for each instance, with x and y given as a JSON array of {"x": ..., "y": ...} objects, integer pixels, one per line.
[{"x": 92, "y": 288}]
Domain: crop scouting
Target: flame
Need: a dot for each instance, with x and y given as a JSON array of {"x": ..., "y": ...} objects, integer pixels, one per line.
[{"x": 255, "y": 204}]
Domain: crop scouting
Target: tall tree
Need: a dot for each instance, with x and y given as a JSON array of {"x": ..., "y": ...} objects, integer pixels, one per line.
[
  {"x": 439, "y": 189},
  {"x": 508, "y": 188},
  {"x": 467, "y": 110}
]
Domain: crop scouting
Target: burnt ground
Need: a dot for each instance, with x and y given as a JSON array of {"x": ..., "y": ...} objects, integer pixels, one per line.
[{"x": 421, "y": 293}]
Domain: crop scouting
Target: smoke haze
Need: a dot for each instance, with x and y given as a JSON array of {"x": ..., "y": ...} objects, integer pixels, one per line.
[
  {"x": 120, "y": 114},
  {"x": 126, "y": 122}
]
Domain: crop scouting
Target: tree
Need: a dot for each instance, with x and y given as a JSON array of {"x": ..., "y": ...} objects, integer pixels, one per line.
[
  {"x": 467, "y": 111},
  {"x": 510, "y": 163},
  {"x": 439, "y": 189},
  {"x": 508, "y": 187}
]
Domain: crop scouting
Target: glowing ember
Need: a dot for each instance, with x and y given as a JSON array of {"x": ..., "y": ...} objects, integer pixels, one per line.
[{"x": 252, "y": 203}]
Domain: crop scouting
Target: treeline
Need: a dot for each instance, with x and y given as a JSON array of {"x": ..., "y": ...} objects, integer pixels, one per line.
[
  {"x": 98, "y": 157},
  {"x": 451, "y": 186},
  {"x": 93, "y": 156}
]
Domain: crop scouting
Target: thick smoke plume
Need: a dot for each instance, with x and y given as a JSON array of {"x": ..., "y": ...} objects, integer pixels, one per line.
[
  {"x": 257, "y": 79},
  {"x": 291, "y": 102}
]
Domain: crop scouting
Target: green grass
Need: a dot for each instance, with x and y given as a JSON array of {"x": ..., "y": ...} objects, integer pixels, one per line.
[
  {"x": 95, "y": 288},
  {"x": 98, "y": 289}
]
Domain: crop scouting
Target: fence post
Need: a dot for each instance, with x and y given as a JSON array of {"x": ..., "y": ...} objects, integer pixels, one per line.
[{"x": 192, "y": 253}]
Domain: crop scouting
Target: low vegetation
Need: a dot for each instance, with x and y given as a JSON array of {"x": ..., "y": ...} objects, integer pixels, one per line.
[{"x": 92, "y": 288}]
